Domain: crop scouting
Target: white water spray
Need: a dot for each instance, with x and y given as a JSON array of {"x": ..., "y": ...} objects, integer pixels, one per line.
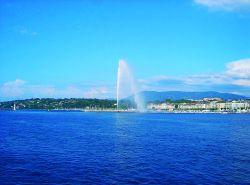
[{"x": 126, "y": 84}]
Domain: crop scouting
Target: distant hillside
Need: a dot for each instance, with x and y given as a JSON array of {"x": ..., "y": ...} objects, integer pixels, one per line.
[
  {"x": 50, "y": 103},
  {"x": 149, "y": 96}
]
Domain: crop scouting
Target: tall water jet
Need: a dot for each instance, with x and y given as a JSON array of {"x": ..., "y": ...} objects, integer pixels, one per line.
[
  {"x": 118, "y": 86},
  {"x": 126, "y": 83}
]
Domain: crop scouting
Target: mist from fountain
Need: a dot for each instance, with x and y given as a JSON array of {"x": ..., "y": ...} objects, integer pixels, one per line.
[{"x": 126, "y": 84}]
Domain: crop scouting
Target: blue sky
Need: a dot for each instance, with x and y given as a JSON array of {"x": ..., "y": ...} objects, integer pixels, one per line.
[{"x": 72, "y": 48}]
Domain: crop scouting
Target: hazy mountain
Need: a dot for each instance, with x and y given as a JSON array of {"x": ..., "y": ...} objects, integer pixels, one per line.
[{"x": 178, "y": 95}]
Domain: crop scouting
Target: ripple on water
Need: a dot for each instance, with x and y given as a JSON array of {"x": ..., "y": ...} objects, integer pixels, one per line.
[{"x": 108, "y": 148}]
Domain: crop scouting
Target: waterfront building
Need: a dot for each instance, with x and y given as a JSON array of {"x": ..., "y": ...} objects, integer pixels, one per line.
[{"x": 235, "y": 106}]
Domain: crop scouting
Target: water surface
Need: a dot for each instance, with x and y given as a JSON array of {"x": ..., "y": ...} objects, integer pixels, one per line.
[{"x": 123, "y": 148}]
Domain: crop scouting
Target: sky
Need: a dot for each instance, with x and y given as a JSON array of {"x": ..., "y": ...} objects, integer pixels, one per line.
[{"x": 71, "y": 48}]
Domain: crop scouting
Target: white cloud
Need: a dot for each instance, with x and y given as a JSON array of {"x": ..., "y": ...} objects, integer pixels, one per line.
[
  {"x": 240, "y": 68},
  {"x": 242, "y": 82},
  {"x": 19, "y": 89},
  {"x": 235, "y": 77},
  {"x": 13, "y": 88},
  {"x": 72, "y": 91},
  {"x": 206, "y": 79},
  {"x": 25, "y": 31},
  {"x": 40, "y": 90},
  {"x": 97, "y": 92},
  {"x": 228, "y": 5}
]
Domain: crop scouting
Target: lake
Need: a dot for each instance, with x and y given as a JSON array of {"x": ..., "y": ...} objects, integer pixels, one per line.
[{"x": 39, "y": 147}]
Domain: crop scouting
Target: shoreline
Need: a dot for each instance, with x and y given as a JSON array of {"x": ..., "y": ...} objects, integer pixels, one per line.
[{"x": 133, "y": 111}]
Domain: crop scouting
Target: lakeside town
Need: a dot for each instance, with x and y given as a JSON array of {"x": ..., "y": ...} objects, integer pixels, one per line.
[{"x": 204, "y": 105}]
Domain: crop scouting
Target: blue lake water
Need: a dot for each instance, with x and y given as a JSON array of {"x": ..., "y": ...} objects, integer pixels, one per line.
[{"x": 123, "y": 148}]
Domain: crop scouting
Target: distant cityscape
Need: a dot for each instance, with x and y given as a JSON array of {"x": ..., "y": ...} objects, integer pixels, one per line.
[{"x": 205, "y": 105}]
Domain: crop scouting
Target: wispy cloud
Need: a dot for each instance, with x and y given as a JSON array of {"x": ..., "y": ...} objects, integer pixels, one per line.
[
  {"x": 97, "y": 92},
  {"x": 240, "y": 68},
  {"x": 242, "y": 82},
  {"x": 13, "y": 88},
  {"x": 25, "y": 31},
  {"x": 227, "y": 5},
  {"x": 20, "y": 89},
  {"x": 235, "y": 78}
]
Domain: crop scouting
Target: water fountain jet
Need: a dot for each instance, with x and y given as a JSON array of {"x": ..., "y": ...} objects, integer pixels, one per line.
[{"x": 126, "y": 79}]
